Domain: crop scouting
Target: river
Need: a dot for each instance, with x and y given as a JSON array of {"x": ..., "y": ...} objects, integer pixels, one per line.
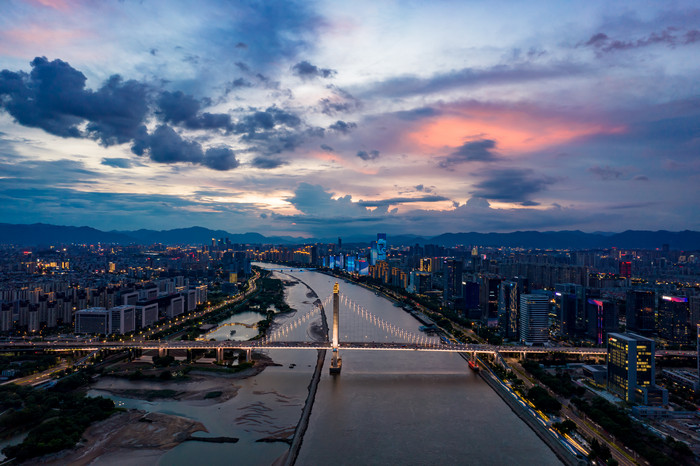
[{"x": 387, "y": 407}]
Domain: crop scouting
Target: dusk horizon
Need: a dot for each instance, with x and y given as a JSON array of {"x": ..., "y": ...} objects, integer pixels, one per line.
[{"x": 307, "y": 119}]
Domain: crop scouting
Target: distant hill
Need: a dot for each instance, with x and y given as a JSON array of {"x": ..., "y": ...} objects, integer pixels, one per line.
[
  {"x": 683, "y": 240},
  {"x": 39, "y": 233}
]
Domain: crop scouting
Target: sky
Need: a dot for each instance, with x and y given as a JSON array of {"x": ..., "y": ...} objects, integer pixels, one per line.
[{"x": 325, "y": 118}]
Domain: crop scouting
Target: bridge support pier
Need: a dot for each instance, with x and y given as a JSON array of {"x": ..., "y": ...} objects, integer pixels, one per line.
[
  {"x": 219, "y": 355},
  {"x": 336, "y": 361},
  {"x": 248, "y": 355},
  {"x": 162, "y": 352}
]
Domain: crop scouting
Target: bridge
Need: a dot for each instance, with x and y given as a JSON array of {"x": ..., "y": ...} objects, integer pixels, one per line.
[{"x": 358, "y": 318}]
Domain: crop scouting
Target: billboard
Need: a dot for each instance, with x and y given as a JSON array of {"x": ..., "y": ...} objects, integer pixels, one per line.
[{"x": 381, "y": 246}]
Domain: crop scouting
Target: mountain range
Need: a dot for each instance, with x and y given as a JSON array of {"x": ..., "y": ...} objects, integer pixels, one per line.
[{"x": 45, "y": 234}]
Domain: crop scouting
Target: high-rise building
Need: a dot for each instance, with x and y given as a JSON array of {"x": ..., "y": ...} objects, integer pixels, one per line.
[
  {"x": 626, "y": 269},
  {"x": 534, "y": 319},
  {"x": 122, "y": 319},
  {"x": 631, "y": 368},
  {"x": 488, "y": 298},
  {"x": 674, "y": 319},
  {"x": 508, "y": 307},
  {"x": 381, "y": 246},
  {"x": 601, "y": 317},
  {"x": 640, "y": 311},
  {"x": 452, "y": 279},
  {"x": 570, "y": 299}
]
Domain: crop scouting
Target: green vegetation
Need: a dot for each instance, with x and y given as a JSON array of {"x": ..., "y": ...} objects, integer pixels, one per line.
[
  {"x": 164, "y": 361},
  {"x": 560, "y": 383},
  {"x": 212, "y": 395},
  {"x": 543, "y": 400},
  {"x": 565, "y": 427},
  {"x": 57, "y": 419},
  {"x": 633, "y": 434},
  {"x": 228, "y": 369},
  {"x": 27, "y": 364}
]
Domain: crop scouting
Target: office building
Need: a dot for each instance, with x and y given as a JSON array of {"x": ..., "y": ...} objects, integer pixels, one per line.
[
  {"x": 94, "y": 320},
  {"x": 674, "y": 319},
  {"x": 631, "y": 369},
  {"x": 452, "y": 279},
  {"x": 122, "y": 319},
  {"x": 381, "y": 246},
  {"x": 601, "y": 316},
  {"x": 571, "y": 310},
  {"x": 534, "y": 319},
  {"x": 640, "y": 310},
  {"x": 488, "y": 299},
  {"x": 508, "y": 309}
]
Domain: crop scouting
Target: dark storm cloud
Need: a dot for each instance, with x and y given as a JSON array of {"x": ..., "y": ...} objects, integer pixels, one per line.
[
  {"x": 403, "y": 86},
  {"x": 266, "y": 120},
  {"x": 306, "y": 70},
  {"x": 53, "y": 97},
  {"x": 472, "y": 151},
  {"x": 512, "y": 185},
  {"x": 117, "y": 162},
  {"x": 327, "y": 148},
  {"x": 601, "y": 42},
  {"x": 182, "y": 109},
  {"x": 400, "y": 200},
  {"x": 240, "y": 82},
  {"x": 220, "y": 158},
  {"x": 166, "y": 146},
  {"x": 342, "y": 126},
  {"x": 605, "y": 173},
  {"x": 371, "y": 155},
  {"x": 267, "y": 163}
]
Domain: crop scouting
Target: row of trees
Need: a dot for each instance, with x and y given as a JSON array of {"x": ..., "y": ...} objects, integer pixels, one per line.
[{"x": 56, "y": 418}]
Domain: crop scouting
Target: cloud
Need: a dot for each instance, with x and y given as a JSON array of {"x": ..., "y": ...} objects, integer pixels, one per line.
[
  {"x": 327, "y": 148},
  {"x": 602, "y": 43},
  {"x": 267, "y": 163},
  {"x": 401, "y": 200},
  {"x": 53, "y": 97},
  {"x": 341, "y": 101},
  {"x": 409, "y": 85},
  {"x": 306, "y": 70},
  {"x": 220, "y": 158},
  {"x": 605, "y": 173},
  {"x": 472, "y": 151},
  {"x": 166, "y": 146},
  {"x": 371, "y": 155},
  {"x": 512, "y": 185},
  {"x": 181, "y": 109},
  {"x": 342, "y": 127},
  {"x": 417, "y": 113},
  {"x": 117, "y": 162}
]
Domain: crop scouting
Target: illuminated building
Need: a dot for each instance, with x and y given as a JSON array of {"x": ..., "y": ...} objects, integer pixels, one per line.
[
  {"x": 640, "y": 311},
  {"x": 572, "y": 310},
  {"x": 534, "y": 319},
  {"x": 601, "y": 317},
  {"x": 674, "y": 319},
  {"x": 626, "y": 269},
  {"x": 381, "y": 246},
  {"x": 631, "y": 369},
  {"x": 452, "y": 279},
  {"x": 508, "y": 317}
]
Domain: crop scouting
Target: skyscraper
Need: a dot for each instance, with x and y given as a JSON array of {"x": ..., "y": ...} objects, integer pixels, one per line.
[
  {"x": 640, "y": 311},
  {"x": 381, "y": 246},
  {"x": 534, "y": 319},
  {"x": 572, "y": 311},
  {"x": 601, "y": 317},
  {"x": 674, "y": 319},
  {"x": 452, "y": 279},
  {"x": 508, "y": 306}
]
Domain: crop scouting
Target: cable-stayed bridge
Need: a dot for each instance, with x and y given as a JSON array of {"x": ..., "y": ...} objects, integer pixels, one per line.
[{"x": 354, "y": 329}]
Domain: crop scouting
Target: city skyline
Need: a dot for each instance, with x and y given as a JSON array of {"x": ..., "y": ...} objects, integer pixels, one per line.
[{"x": 318, "y": 119}]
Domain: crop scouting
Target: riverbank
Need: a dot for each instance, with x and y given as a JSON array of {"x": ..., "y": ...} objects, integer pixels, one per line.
[
  {"x": 559, "y": 450},
  {"x": 144, "y": 437}
]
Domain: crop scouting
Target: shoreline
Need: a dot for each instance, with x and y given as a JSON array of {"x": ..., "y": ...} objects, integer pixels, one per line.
[{"x": 561, "y": 453}]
